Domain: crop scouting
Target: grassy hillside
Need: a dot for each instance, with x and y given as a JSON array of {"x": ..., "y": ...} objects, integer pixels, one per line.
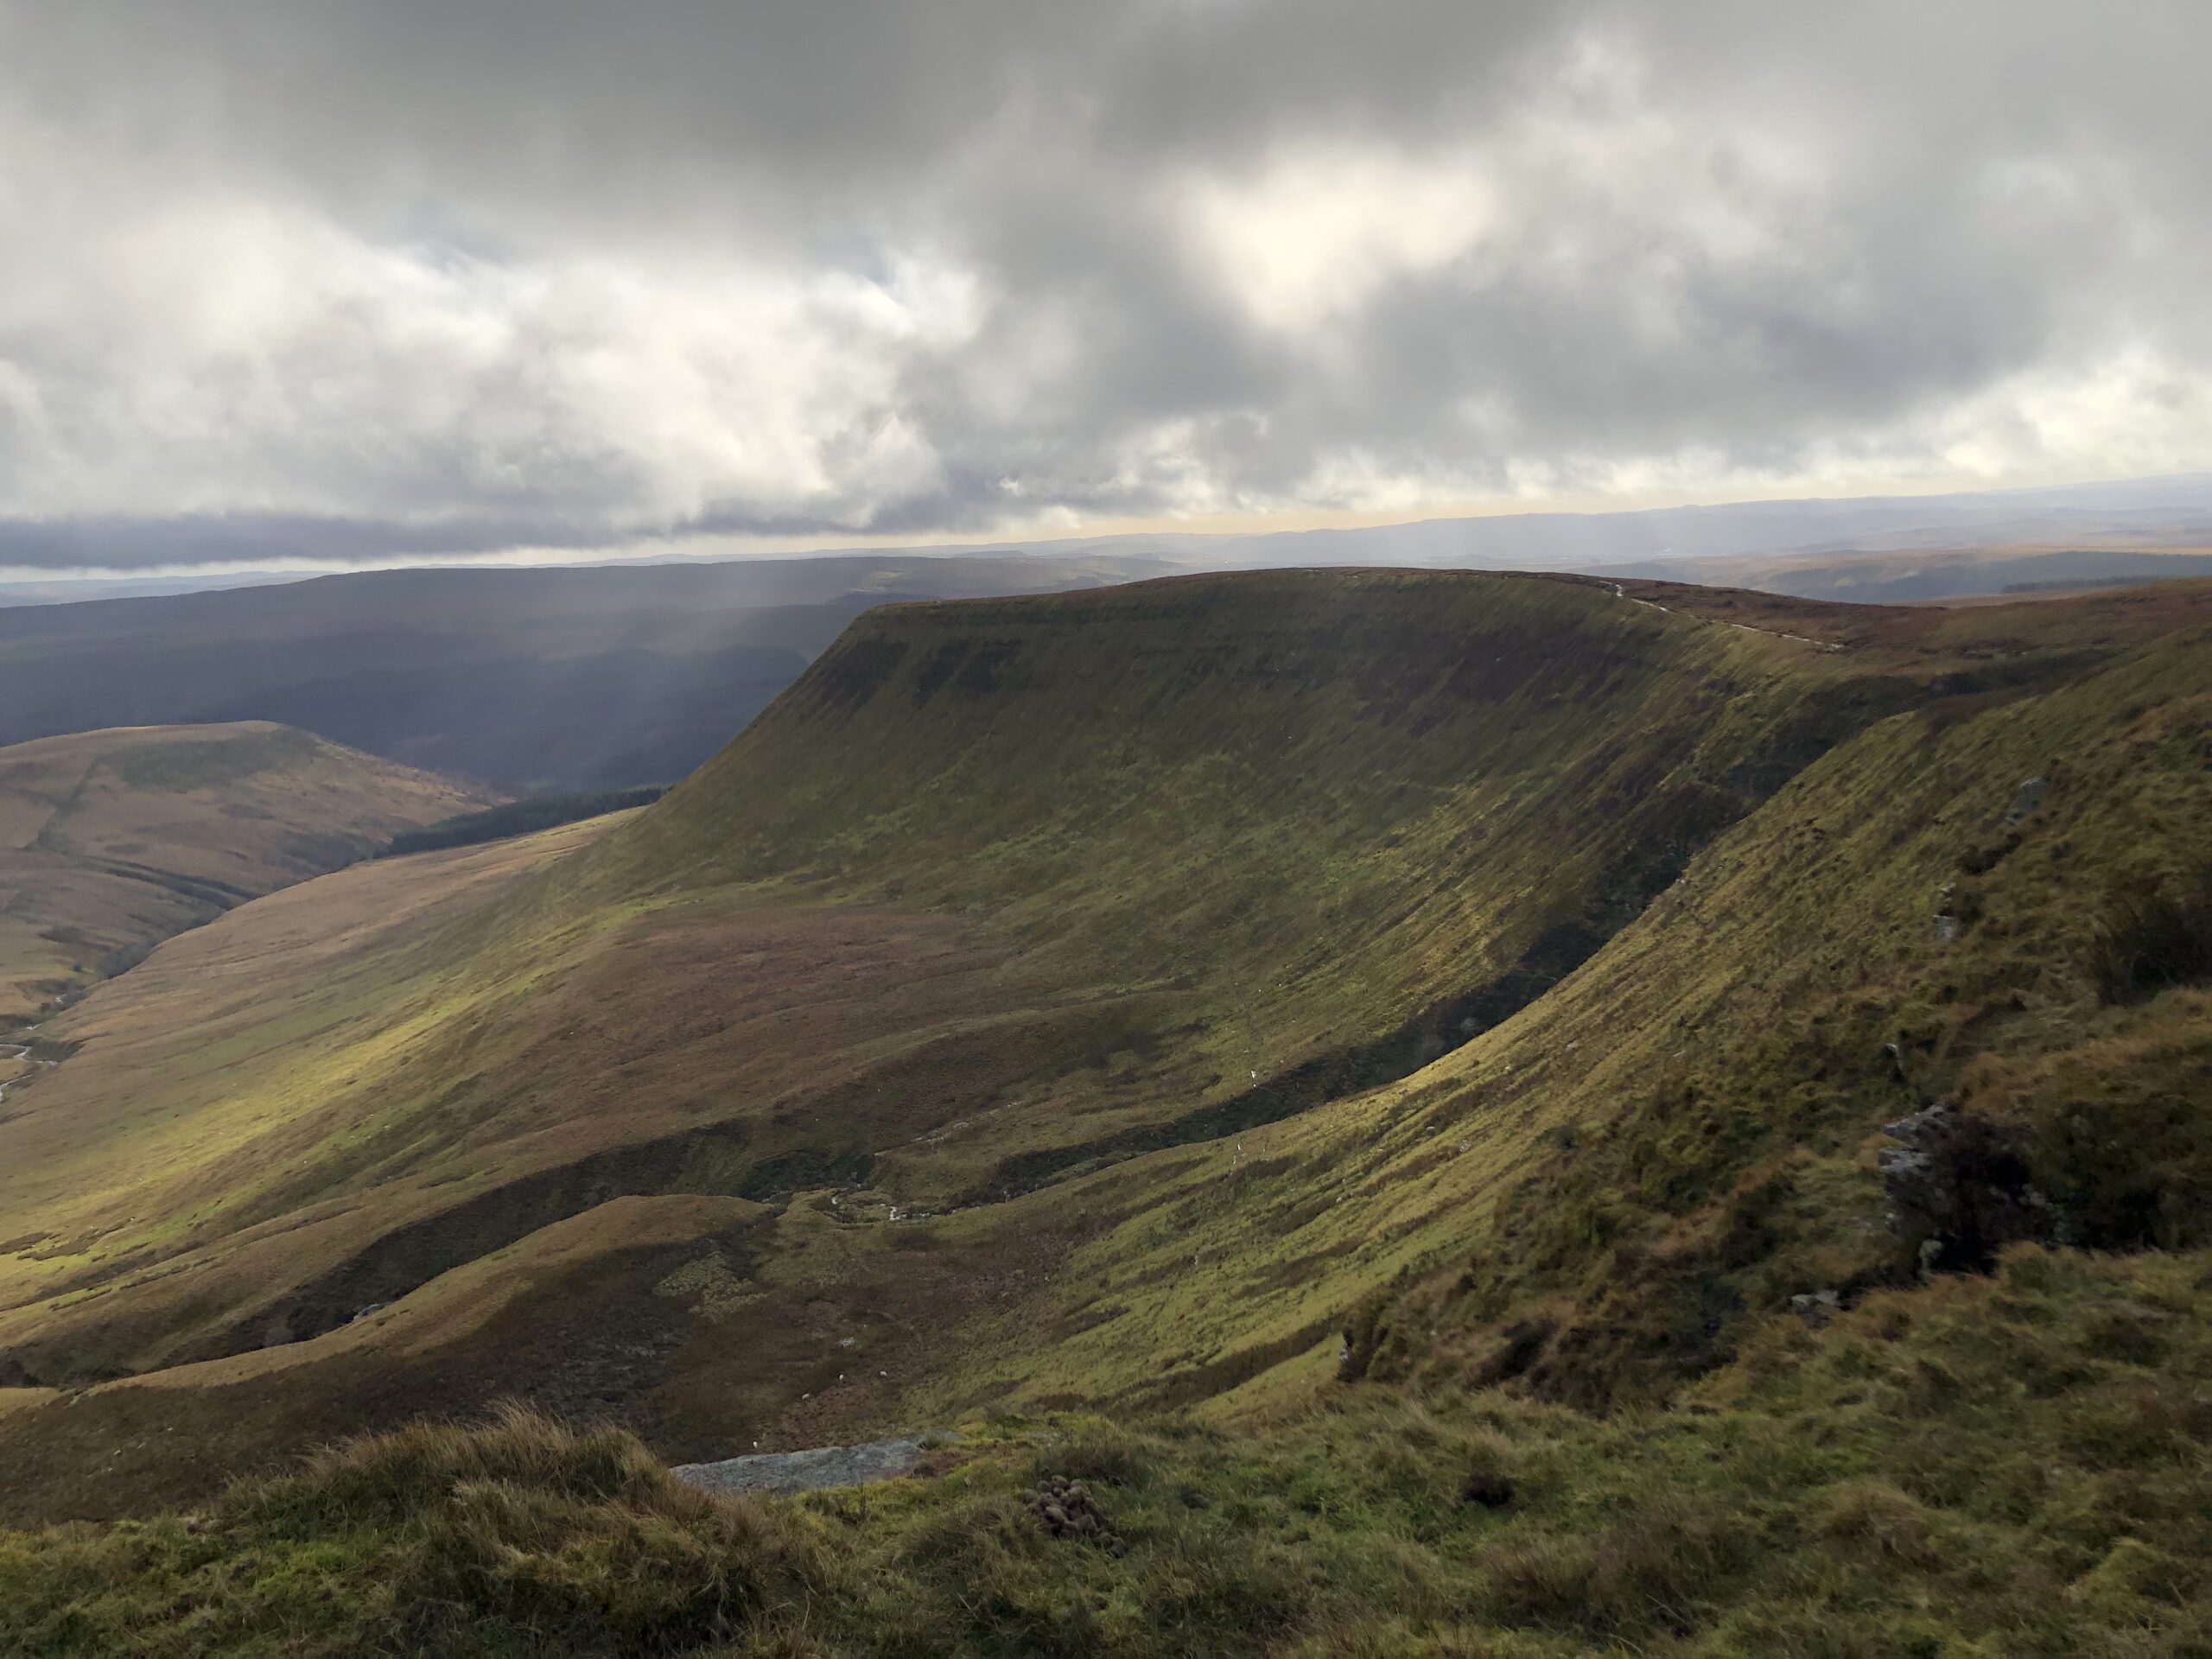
[
  {"x": 1602, "y": 1196},
  {"x": 1109, "y": 872},
  {"x": 111, "y": 840},
  {"x": 1444, "y": 1024},
  {"x": 589, "y": 678}
]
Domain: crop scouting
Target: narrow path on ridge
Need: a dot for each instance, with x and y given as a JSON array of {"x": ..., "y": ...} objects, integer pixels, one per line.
[{"x": 1653, "y": 605}]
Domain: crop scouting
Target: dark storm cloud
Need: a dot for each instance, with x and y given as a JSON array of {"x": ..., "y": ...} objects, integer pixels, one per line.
[{"x": 369, "y": 278}]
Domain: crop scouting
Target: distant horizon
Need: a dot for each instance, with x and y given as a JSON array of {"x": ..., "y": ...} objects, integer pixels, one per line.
[{"x": 681, "y": 547}]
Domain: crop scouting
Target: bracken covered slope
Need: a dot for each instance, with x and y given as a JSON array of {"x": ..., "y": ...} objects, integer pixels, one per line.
[{"x": 1224, "y": 991}]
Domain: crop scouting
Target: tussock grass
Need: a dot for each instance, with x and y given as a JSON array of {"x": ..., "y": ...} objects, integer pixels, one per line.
[
  {"x": 2158, "y": 934},
  {"x": 518, "y": 1535},
  {"x": 1975, "y": 1465}
]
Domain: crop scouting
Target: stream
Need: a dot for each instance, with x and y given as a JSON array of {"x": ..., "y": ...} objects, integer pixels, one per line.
[{"x": 20, "y": 1055}]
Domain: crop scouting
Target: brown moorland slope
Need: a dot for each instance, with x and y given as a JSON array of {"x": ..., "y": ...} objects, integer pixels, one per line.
[
  {"x": 111, "y": 840},
  {"x": 1101, "y": 873}
]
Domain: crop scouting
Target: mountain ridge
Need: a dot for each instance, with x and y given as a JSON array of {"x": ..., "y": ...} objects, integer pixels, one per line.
[{"x": 833, "y": 974}]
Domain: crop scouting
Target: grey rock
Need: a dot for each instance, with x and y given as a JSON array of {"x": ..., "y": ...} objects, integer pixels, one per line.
[
  {"x": 1066, "y": 1509},
  {"x": 807, "y": 1471},
  {"x": 2026, "y": 799},
  {"x": 1924, "y": 1128},
  {"x": 1946, "y": 914},
  {"x": 1909, "y": 1177},
  {"x": 1896, "y": 1057},
  {"x": 1958, "y": 1186},
  {"x": 1816, "y": 1307}
]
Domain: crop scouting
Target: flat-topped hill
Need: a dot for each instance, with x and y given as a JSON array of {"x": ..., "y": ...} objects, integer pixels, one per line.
[{"x": 1117, "y": 997}]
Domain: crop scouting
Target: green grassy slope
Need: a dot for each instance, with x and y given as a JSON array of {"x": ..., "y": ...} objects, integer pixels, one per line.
[
  {"x": 996, "y": 916},
  {"x": 1109, "y": 869},
  {"x": 1601, "y": 1196},
  {"x": 1255, "y": 777}
]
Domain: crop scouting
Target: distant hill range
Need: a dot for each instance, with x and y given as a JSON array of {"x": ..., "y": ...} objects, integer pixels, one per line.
[
  {"x": 111, "y": 842},
  {"x": 599, "y": 677},
  {"x": 590, "y": 678},
  {"x": 2152, "y": 513}
]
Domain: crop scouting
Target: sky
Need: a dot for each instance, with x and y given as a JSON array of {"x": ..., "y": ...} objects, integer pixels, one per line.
[{"x": 354, "y": 279}]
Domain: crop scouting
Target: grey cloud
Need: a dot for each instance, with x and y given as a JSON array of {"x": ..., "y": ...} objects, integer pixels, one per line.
[{"x": 392, "y": 276}]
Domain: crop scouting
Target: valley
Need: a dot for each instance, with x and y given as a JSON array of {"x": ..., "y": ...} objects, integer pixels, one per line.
[
  {"x": 586, "y": 678},
  {"x": 112, "y": 840},
  {"x": 1244, "y": 1005},
  {"x": 1181, "y": 831}
]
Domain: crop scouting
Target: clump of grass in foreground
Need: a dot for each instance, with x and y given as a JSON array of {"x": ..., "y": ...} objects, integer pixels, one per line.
[
  {"x": 2017, "y": 1464},
  {"x": 518, "y": 1535}
]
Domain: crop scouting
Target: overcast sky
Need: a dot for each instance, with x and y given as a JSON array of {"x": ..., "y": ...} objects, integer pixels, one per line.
[{"x": 399, "y": 276}]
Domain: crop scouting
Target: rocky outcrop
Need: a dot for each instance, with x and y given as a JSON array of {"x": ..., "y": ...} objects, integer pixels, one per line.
[{"x": 1958, "y": 1187}]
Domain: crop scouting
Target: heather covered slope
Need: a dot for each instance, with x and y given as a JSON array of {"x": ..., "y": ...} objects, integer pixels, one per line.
[
  {"x": 994, "y": 918},
  {"x": 111, "y": 840}
]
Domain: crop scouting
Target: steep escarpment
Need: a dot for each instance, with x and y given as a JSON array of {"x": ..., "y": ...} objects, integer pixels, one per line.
[
  {"x": 1338, "y": 801},
  {"x": 1112, "y": 997},
  {"x": 1982, "y": 924}
]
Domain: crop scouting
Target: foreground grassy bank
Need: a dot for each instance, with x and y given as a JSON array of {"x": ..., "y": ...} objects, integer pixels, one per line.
[{"x": 2019, "y": 1464}]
